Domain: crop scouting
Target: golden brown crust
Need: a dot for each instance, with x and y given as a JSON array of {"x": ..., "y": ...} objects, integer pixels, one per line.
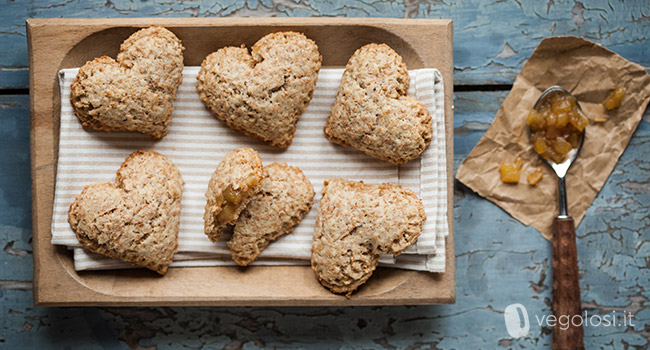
[
  {"x": 356, "y": 223},
  {"x": 240, "y": 171},
  {"x": 285, "y": 197},
  {"x": 137, "y": 218},
  {"x": 134, "y": 92},
  {"x": 261, "y": 94},
  {"x": 372, "y": 112}
]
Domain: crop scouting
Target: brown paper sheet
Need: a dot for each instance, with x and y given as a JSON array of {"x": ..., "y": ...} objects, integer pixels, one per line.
[{"x": 590, "y": 72}]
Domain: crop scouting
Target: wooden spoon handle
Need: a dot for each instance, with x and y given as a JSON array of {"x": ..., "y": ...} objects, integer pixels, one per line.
[{"x": 566, "y": 289}]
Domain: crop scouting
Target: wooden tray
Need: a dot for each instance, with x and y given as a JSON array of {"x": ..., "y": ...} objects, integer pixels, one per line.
[{"x": 63, "y": 43}]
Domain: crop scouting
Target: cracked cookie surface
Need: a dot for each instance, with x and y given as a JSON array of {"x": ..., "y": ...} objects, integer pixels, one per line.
[
  {"x": 373, "y": 112},
  {"x": 135, "y": 219},
  {"x": 134, "y": 92},
  {"x": 356, "y": 223},
  {"x": 285, "y": 197},
  {"x": 261, "y": 94}
]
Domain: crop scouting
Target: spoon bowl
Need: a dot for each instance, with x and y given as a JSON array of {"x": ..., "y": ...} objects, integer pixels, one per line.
[{"x": 560, "y": 169}]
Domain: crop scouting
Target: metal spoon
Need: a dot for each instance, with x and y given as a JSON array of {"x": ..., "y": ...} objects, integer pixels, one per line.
[{"x": 566, "y": 287}]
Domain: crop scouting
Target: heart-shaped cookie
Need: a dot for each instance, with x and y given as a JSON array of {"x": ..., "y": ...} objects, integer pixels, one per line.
[
  {"x": 136, "y": 92},
  {"x": 283, "y": 201},
  {"x": 261, "y": 94},
  {"x": 137, "y": 218},
  {"x": 372, "y": 112},
  {"x": 233, "y": 184},
  {"x": 356, "y": 223}
]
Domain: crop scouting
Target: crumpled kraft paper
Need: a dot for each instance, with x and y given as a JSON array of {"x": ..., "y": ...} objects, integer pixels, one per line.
[{"x": 590, "y": 72}]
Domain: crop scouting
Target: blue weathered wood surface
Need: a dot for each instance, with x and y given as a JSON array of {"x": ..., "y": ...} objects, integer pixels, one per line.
[
  {"x": 492, "y": 38},
  {"x": 499, "y": 261}
]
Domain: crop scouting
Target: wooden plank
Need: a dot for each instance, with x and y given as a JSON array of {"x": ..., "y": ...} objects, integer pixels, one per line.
[
  {"x": 14, "y": 78},
  {"x": 420, "y": 42},
  {"x": 15, "y": 196},
  {"x": 493, "y": 38}
]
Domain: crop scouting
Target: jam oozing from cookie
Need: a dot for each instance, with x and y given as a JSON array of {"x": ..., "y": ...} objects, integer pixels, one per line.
[
  {"x": 231, "y": 198},
  {"x": 557, "y": 126}
]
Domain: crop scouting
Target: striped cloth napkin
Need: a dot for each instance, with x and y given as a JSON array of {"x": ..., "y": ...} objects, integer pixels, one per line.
[{"x": 196, "y": 142}]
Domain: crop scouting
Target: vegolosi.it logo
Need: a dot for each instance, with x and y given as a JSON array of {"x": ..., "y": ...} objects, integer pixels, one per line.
[
  {"x": 516, "y": 328},
  {"x": 518, "y": 323}
]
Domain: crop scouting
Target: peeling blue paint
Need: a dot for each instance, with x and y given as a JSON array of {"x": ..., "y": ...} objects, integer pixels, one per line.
[{"x": 482, "y": 28}]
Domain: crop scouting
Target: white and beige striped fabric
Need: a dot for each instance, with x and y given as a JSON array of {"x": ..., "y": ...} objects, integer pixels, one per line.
[{"x": 196, "y": 142}]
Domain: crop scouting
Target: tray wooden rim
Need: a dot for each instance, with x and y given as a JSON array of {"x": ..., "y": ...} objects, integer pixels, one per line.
[{"x": 54, "y": 285}]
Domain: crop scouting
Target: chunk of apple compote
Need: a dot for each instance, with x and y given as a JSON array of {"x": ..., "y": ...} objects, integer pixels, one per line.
[
  {"x": 510, "y": 172},
  {"x": 556, "y": 126},
  {"x": 535, "y": 176},
  {"x": 614, "y": 98}
]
